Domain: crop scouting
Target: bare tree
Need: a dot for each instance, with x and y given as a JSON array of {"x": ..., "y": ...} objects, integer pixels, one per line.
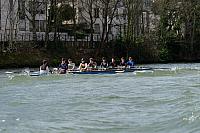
[
  {"x": 108, "y": 10},
  {"x": 11, "y": 24},
  {"x": 34, "y": 8},
  {"x": 134, "y": 10},
  {"x": 86, "y": 11}
]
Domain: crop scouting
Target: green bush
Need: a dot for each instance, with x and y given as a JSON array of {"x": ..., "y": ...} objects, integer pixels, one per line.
[{"x": 164, "y": 54}]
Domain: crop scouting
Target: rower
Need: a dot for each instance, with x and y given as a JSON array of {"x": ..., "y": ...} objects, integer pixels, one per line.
[
  {"x": 92, "y": 64},
  {"x": 130, "y": 62},
  {"x": 122, "y": 63},
  {"x": 112, "y": 63},
  {"x": 83, "y": 65},
  {"x": 104, "y": 63},
  {"x": 44, "y": 69},
  {"x": 62, "y": 68},
  {"x": 71, "y": 65}
]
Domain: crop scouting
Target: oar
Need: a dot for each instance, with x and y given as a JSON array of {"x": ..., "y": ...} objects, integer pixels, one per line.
[{"x": 9, "y": 72}]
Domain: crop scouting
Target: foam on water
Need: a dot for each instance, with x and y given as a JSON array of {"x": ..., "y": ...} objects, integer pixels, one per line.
[{"x": 191, "y": 118}]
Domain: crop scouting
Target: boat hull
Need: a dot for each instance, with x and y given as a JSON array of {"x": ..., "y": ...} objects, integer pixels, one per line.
[{"x": 93, "y": 72}]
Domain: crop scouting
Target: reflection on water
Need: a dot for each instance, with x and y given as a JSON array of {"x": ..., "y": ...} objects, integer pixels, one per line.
[{"x": 161, "y": 101}]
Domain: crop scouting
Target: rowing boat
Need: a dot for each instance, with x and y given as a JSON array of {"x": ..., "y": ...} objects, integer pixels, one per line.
[
  {"x": 110, "y": 70},
  {"x": 92, "y": 72},
  {"x": 37, "y": 73},
  {"x": 34, "y": 74},
  {"x": 131, "y": 69},
  {"x": 99, "y": 71}
]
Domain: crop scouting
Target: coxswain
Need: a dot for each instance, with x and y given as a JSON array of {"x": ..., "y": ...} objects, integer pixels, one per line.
[{"x": 44, "y": 69}]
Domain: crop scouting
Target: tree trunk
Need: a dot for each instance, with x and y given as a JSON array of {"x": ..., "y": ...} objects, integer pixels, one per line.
[
  {"x": 47, "y": 25},
  {"x": 91, "y": 33},
  {"x": 11, "y": 24},
  {"x": 74, "y": 20},
  {"x": 193, "y": 34},
  {"x": 34, "y": 32}
]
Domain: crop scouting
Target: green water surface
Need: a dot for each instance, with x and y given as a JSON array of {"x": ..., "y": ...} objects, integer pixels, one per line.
[{"x": 161, "y": 101}]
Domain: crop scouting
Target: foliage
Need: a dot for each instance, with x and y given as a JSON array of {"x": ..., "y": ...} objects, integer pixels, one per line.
[
  {"x": 164, "y": 54},
  {"x": 178, "y": 22},
  {"x": 66, "y": 12},
  {"x": 79, "y": 35}
]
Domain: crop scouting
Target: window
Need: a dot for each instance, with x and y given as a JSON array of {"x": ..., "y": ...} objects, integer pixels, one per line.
[
  {"x": 40, "y": 26},
  {"x": 110, "y": 28},
  {"x": 96, "y": 12},
  {"x": 96, "y": 28},
  {"x": 22, "y": 25},
  {"x": 21, "y": 9}
]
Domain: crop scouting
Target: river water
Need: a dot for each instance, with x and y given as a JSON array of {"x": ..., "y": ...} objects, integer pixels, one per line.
[{"x": 161, "y": 101}]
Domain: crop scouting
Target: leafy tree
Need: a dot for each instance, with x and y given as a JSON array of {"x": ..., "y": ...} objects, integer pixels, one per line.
[{"x": 59, "y": 13}]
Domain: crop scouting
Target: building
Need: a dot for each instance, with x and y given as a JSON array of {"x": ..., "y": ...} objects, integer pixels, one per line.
[
  {"x": 117, "y": 14},
  {"x": 17, "y": 16}
]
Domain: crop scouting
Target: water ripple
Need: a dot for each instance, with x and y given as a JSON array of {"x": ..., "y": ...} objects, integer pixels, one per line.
[{"x": 163, "y": 101}]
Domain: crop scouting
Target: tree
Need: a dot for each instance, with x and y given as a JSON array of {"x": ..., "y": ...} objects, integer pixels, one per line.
[
  {"x": 10, "y": 24},
  {"x": 12, "y": 18},
  {"x": 32, "y": 9},
  {"x": 60, "y": 12},
  {"x": 178, "y": 23},
  {"x": 87, "y": 13},
  {"x": 108, "y": 10}
]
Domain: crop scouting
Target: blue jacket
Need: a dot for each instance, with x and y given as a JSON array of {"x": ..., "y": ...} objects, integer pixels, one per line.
[
  {"x": 63, "y": 66},
  {"x": 130, "y": 63}
]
